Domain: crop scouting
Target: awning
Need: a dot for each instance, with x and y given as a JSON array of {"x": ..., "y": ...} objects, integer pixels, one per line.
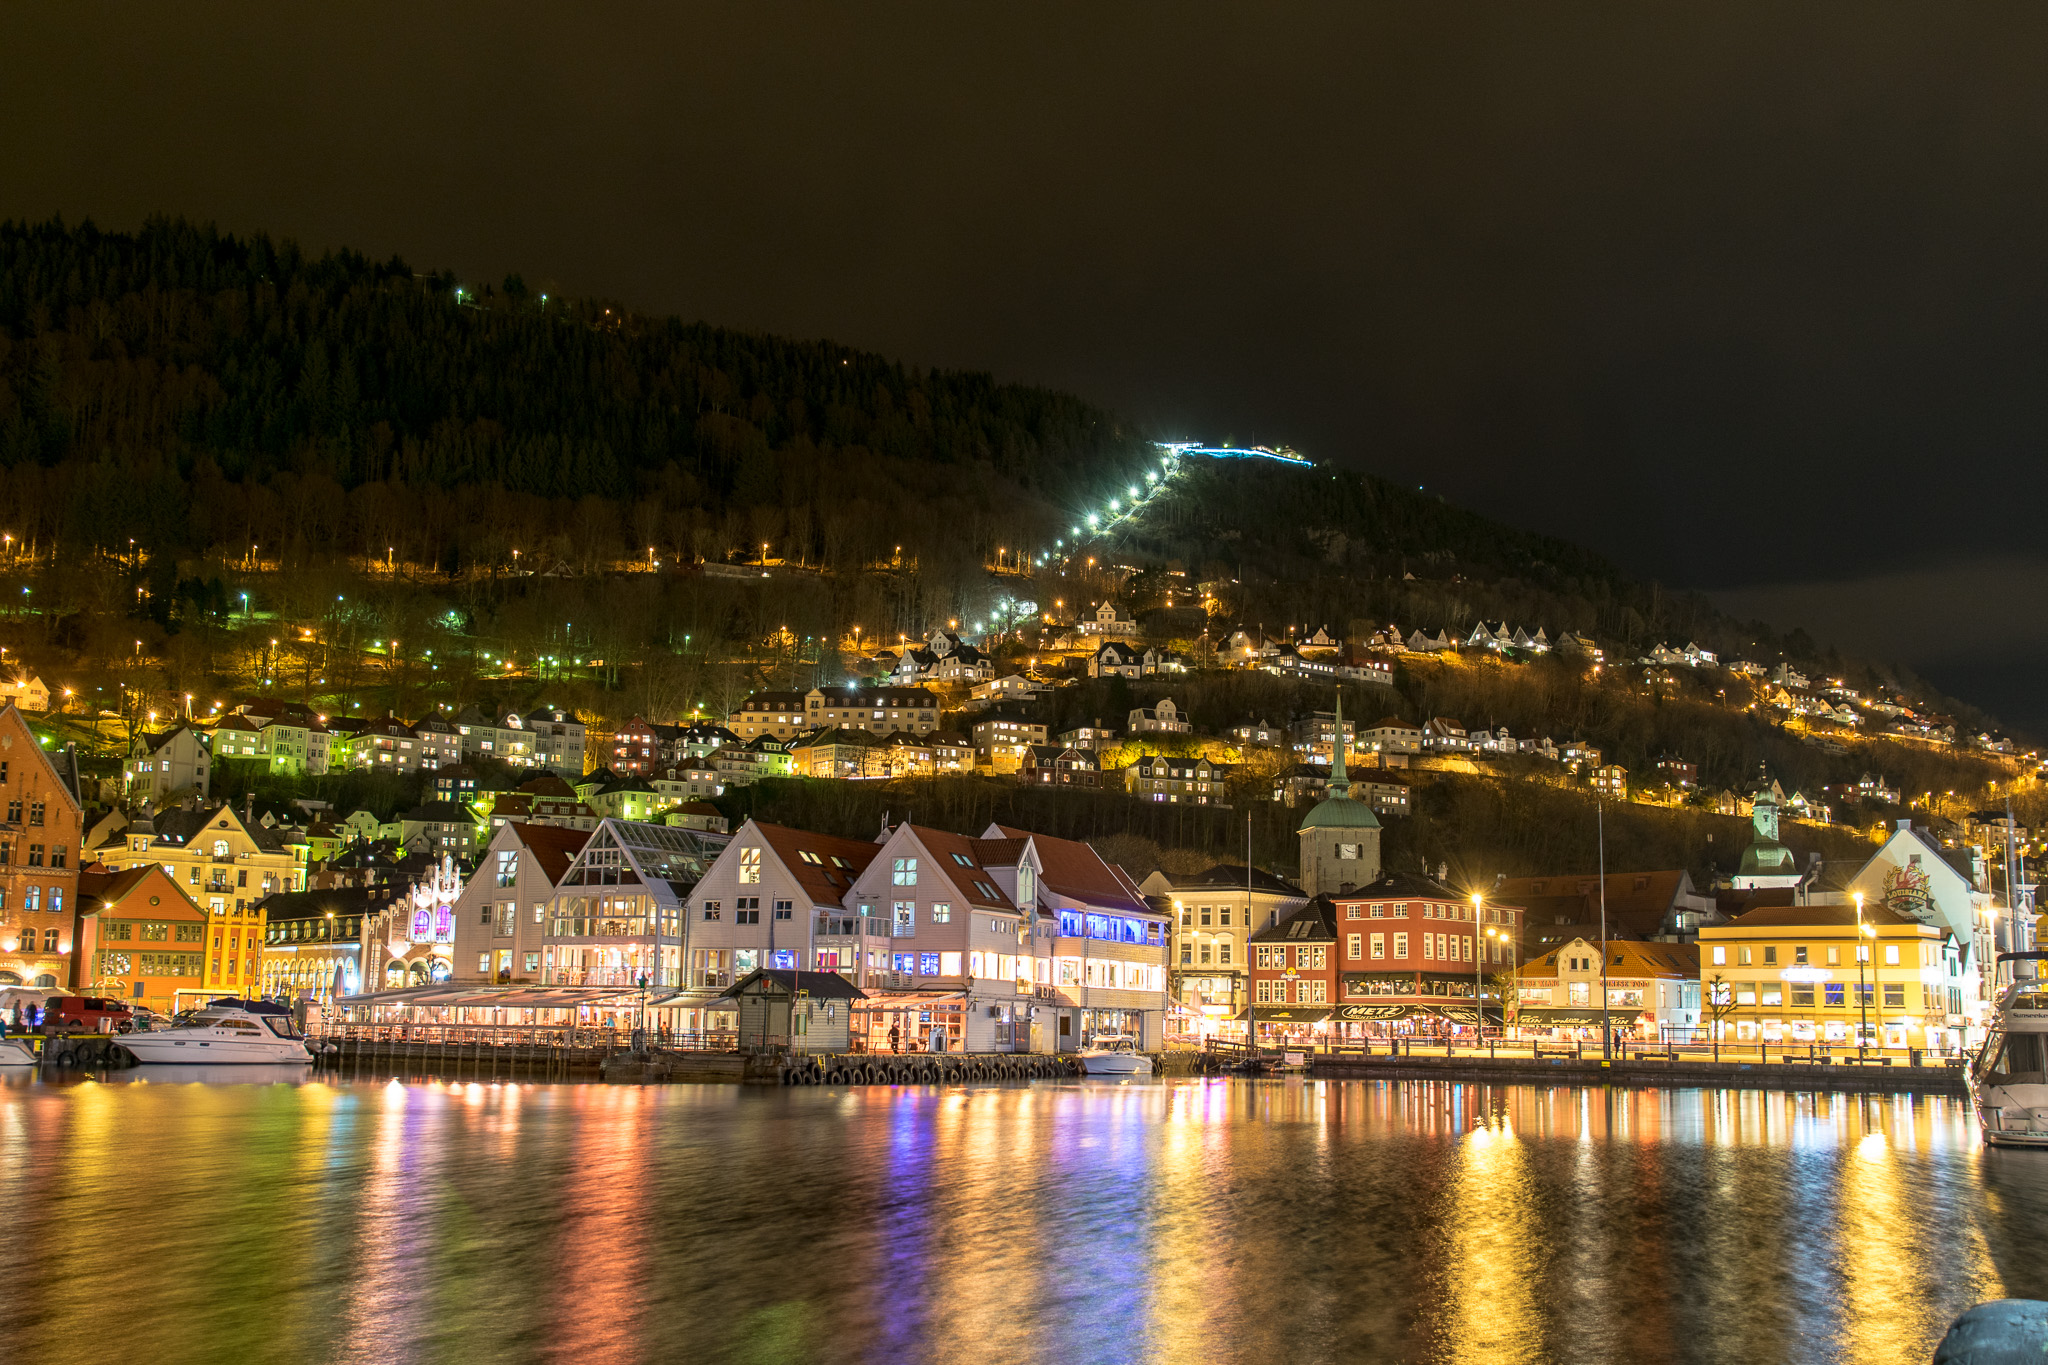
[
  {"x": 692, "y": 1000},
  {"x": 1554, "y": 1018},
  {"x": 484, "y": 997},
  {"x": 1376, "y": 1011},
  {"x": 1286, "y": 1014},
  {"x": 909, "y": 1002}
]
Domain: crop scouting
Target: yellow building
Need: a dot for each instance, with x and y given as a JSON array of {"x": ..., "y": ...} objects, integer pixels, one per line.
[
  {"x": 312, "y": 946},
  {"x": 227, "y": 867},
  {"x": 1793, "y": 976}
]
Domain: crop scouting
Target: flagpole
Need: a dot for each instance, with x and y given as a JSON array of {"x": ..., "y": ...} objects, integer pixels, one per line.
[{"x": 1606, "y": 1029}]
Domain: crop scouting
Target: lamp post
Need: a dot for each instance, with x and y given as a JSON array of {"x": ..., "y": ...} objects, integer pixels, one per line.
[
  {"x": 1862, "y": 999},
  {"x": 1478, "y": 967}
]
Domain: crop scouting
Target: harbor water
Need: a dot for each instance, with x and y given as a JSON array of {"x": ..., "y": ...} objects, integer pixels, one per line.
[{"x": 153, "y": 1216}]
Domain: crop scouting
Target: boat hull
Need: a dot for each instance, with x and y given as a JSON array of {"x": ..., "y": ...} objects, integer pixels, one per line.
[
  {"x": 14, "y": 1052},
  {"x": 152, "y": 1049},
  {"x": 1116, "y": 1064},
  {"x": 2013, "y": 1115}
]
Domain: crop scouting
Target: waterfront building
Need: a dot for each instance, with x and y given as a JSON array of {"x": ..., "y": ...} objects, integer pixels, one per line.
[
  {"x": 616, "y": 917},
  {"x": 1340, "y": 836},
  {"x": 1214, "y": 914},
  {"x": 1917, "y": 879},
  {"x": 802, "y": 1011},
  {"x": 312, "y": 944},
  {"x": 1800, "y": 975},
  {"x": 780, "y": 897},
  {"x": 1013, "y": 942},
  {"x": 409, "y": 939},
  {"x": 1413, "y": 955},
  {"x": 143, "y": 941},
  {"x": 1653, "y": 990},
  {"x": 501, "y": 914},
  {"x": 40, "y": 843}
]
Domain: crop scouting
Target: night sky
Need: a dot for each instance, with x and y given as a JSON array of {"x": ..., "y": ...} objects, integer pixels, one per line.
[{"x": 1753, "y": 297}]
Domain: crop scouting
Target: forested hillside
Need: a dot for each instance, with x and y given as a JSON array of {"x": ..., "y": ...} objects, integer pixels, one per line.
[
  {"x": 195, "y": 426},
  {"x": 190, "y": 389}
]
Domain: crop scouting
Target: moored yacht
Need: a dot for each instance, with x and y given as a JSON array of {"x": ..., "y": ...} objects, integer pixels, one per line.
[
  {"x": 14, "y": 1052},
  {"x": 2009, "y": 1079},
  {"x": 1114, "y": 1054},
  {"x": 226, "y": 1032}
]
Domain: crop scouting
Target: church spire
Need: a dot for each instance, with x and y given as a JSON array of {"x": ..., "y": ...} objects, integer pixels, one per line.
[{"x": 1340, "y": 783}]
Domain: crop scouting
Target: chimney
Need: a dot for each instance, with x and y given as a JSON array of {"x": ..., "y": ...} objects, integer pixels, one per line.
[{"x": 1905, "y": 824}]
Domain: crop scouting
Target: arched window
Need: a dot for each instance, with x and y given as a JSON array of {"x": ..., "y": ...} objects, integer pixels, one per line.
[
  {"x": 220, "y": 848},
  {"x": 30, "y": 898}
]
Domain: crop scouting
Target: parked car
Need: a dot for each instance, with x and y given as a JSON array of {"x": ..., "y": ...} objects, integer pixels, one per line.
[{"x": 86, "y": 1014}]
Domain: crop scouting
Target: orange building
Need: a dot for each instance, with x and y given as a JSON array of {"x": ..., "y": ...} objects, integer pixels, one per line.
[
  {"x": 141, "y": 939},
  {"x": 40, "y": 836}
]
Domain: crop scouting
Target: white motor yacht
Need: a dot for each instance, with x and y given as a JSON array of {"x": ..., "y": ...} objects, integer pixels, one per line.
[
  {"x": 226, "y": 1032},
  {"x": 1114, "y": 1054},
  {"x": 2009, "y": 1078},
  {"x": 14, "y": 1052}
]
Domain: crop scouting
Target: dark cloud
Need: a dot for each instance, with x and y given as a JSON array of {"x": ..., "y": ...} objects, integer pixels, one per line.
[{"x": 1745, "y": 294}]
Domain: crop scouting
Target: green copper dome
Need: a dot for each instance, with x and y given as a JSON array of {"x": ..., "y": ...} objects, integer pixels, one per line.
[{"x": 1339, "y": 810}]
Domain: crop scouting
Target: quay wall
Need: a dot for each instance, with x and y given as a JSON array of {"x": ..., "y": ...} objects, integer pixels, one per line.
[{"x": 1774, "y": 1075}]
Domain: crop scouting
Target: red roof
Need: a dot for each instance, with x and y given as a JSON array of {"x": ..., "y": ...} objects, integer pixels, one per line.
[
  {"x": 943, "y": 845},
  {"x": 824, "y": 881},
  {"x": 553, "y": 847},
  {"x": 1080, "y": 873}
]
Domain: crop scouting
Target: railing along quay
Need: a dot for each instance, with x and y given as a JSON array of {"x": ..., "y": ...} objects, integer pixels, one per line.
[
  {"x": 1632, "y": 1064},
  {"x": 486, "y": 1052}
]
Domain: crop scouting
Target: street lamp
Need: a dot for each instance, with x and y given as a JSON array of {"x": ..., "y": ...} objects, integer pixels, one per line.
[
  {"x": 1478, "y": 967},
  {"x": 1862, "y": 994}
]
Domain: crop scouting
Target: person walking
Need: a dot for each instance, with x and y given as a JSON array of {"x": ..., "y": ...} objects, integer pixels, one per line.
[{"x": 895, "y": 1038}]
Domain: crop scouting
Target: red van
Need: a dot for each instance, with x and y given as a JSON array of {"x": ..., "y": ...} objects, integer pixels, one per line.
[{"x": 84, "y": 1014}]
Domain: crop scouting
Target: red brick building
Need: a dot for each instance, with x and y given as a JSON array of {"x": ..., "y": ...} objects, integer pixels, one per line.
[{"x": 1402, "y": 955}]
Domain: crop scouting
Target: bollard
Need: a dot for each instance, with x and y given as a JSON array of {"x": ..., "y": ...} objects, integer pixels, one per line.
[{"x": 2001, "y": 1332}]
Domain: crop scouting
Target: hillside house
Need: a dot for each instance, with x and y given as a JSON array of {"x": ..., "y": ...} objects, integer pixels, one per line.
[{"x": 1162, "y": 719}]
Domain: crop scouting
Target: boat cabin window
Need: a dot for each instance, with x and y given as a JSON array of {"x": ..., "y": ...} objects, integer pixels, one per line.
[
  {"x": 2016, "y": 1059},
  {"x": 278, "y": 1024}
]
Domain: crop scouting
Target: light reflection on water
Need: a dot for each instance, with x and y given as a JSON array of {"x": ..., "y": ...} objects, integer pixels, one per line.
[{"x": 166, "y": 1219}]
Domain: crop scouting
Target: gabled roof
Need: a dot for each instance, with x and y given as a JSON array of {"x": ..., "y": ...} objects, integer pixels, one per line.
[
  {"x": 547, "y": 784},
  {"x": 818, "y": 985},
  {"x": 1625, "y": 957},
  {"x": 105, "y": 890},
  {"x": 825, "y": 882},
  {"x": 553, "y": 847},
  {"x": 1394, "y": 886},
  {"x": 1230, "y": 877},
  {"x": 1315, "y": 922},
  {"x": 1078, "y": 872},
  {"x": 943, "y": 845},
  {"x": 440, "y": 812},
  {"x": 1819, "y": 917}
]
